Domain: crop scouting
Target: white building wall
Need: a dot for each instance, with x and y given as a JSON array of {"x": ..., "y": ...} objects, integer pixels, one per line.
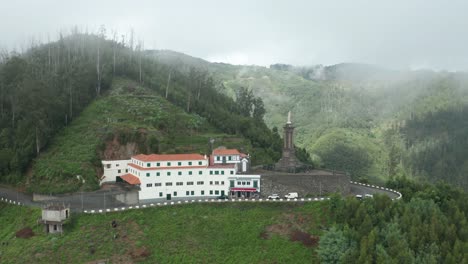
[
  {"x": 199, "y": 183},
  {"x": 245, "y": 181},
  {"x": 114, "y": 168},
  {"x": 218, "y": 159}
]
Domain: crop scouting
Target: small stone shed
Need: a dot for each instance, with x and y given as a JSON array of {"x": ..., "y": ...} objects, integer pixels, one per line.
[{"x": 54, "y": 216}]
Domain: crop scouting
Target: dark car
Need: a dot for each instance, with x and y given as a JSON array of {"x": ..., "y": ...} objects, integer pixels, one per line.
[{"x": 223, "y": 197}]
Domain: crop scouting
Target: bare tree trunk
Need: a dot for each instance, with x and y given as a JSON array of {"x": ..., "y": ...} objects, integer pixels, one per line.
[
  {"x": 188, "y": 102},
  {"x": 167, "y": 86},
  {"x": 114, "y": 44},
  {"x": 98, "y": 69},
  {"x": 38, "y": 146}
]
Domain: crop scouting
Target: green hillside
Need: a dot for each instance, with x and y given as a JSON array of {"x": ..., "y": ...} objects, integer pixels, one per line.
[
  {"x": 129, "y": 119},
  {"x": 428, "y": 225},
  {"x": 198, "y": 233}
]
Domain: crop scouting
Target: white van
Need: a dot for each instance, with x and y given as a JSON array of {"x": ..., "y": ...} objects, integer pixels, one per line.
[{"x": 291, "y": 195}]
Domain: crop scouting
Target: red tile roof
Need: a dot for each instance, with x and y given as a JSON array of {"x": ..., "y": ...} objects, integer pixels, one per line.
[
  {"x": 226, "y": 152},
  {"x": 130, "y": 178},
  {"x": 165, "y": 168},
  {"x": 168, "y": 157}
]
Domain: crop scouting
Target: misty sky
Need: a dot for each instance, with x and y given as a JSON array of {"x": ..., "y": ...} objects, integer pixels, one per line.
[{"x": 397, "y": 33}]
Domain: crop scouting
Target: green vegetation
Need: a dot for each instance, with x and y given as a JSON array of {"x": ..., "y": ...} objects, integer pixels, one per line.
[
  {"x": 196, "y": 233},
  {"x": 131, "y": 119},
  {"x": 160, "y": 109},
  {"x": 428, "y": 226}
]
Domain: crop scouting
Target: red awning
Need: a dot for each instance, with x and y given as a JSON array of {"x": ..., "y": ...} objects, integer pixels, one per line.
[
  {"x": 243, "y": 189},
  {"x": 131, "y": 179}
]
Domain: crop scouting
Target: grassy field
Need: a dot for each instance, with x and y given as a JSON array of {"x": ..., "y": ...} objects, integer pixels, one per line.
[
  {"x": 196, "y": 233},
  {"x": 130, "y": 118}
]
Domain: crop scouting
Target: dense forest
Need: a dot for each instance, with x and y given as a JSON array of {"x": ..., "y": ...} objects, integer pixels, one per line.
[
  {"x": 428, "y": 226},
  {"x": 45, "y": 88}
]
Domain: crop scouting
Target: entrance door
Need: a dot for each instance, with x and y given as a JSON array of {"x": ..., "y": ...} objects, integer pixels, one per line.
[
  {"x": 222, "y": 193},
  {"x": 168, "y": 196}
]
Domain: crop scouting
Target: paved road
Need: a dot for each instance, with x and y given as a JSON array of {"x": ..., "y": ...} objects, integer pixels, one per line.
[
  {"x": 362, "y": 190},
  {"x": 102, "y": 199}
]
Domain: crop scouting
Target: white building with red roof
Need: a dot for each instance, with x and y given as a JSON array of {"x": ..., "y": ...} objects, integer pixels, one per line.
[{"x": 168, "y": 176}]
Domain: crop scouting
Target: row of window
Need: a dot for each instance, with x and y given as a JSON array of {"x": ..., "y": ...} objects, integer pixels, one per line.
[
  {"x": 169, "y": 164},
  {"x": 189, "y": 193},
  {"x": 158, "y": 184},
  {"x": 168, "y": 173},
  {"x": 218, "y": 158}
]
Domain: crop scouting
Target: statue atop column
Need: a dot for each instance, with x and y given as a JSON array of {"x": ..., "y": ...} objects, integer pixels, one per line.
[{"x": 288, "y": 161}]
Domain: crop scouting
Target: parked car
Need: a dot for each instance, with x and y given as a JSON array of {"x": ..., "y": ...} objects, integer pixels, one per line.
[
  {"x": 368, "y": 195},
  {"x": 291, "y": 195},
  {"x": 359, "y": 196},
  {"x": 273, "y": 196},
  {"x": 223, "y": 197}
]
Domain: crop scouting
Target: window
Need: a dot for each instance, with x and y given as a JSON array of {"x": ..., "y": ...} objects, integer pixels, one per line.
[
  {"x": 231, "y": 184},
  {"x": 216, "y": 192},
  {"x": 218, "y": 158},
  {"x": 108, "y": 166},
  {"x": 238, "y": 183},
  {"x": 202, "y": 192},
  {"x": 179, "y": 163},
  {"x": 211, "y": 192},
  {"x": 187, "y": 193},
  {"x": 192, "y": 192},
  {"x": 168, "y": 183},
  {"x": 211, "y": 172},
  {"x": 243, "y": 183},
  {"x": 118, "y": 171},
  {"x": 168, "y": 164},
  {"x": 222, "y": 172},
  {"x": 149, "y": 185},
  {"x": 158, "y": 174},
  {"x": 157, "y": 184},
  {"x": 229, "y": 157},
  {"x": 117, "y": 165},
  {"x": 190, "y": 163},
  {"x": 158, "y": 164},
  {"x": 255, "y": 184},
  {"x": 147, "y": 174},
  {"x": 179, "y": 183},
  {"x": 126, "y": 170},
  {"x": 179, "y": 173},
  {"x": 160, "y": 194},
  {"x": 216, "y": 182},
  {"x": 148, "y": 164},
  {"x": 189, "y": 183},
  {"x": 168, "y": 173},
  {"x": 232, "y": 172},
  {"x": 175, "y": 193},
  {"x": 190, "y": 173},
  {"x": 200, "y": 183},
  {"x": 211, "y": 182},
  {"x": 200, "y": 172},
  {"x": 216, "y": 172},
  {"x": 248, "y": 183},
  {"x": 222, "y": 183},
  {"x": 199, "y": 163}
]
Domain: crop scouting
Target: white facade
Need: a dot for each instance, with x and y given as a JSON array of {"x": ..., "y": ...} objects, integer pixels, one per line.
[
  {"x": 114, "y": 168},
  {"x": 231, "y": 156},
  {"x": 180, "y": 176}
]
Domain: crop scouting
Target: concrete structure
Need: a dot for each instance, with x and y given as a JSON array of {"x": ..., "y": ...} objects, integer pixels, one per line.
[
  {"x": 169, "y": 176},
  {"x": 54, "y": 216},
  {"x": 288, "y": 161},
  {"x": 312, "y": 183},
  {"x": 112, "y": 169}
]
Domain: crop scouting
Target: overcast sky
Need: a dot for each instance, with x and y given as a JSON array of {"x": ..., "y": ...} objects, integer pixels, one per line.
[{"x": 393, "y": 33}]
